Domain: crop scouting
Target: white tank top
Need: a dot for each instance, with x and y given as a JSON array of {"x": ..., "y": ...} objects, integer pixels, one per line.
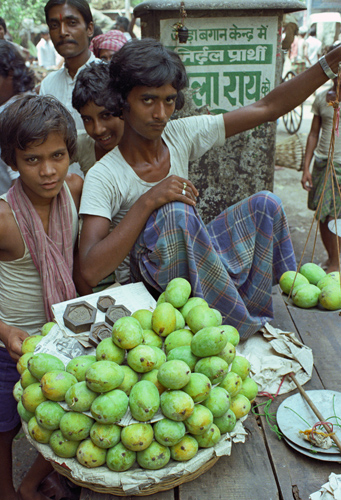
[{"x": 21, "y": 295}]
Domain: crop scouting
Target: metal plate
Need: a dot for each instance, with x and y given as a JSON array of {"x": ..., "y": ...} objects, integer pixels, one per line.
[
  {"x": 294, "y": 415},
  {"x": 335, "y": 457}
]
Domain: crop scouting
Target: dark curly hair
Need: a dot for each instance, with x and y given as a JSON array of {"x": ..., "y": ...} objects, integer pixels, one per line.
[
  {"x": 31, "y": 118},
  {"x": 13, "y": 64},
  {"x": 91, "y": 85},
  {"x": 147, "y": 63}
]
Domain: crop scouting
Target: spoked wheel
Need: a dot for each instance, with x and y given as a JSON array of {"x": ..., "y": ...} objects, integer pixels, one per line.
[{"x": 293, "y": 119}]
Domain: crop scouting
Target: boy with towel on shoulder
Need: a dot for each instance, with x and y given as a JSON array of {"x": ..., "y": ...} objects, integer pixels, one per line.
[{"x": 38, "y": 237}]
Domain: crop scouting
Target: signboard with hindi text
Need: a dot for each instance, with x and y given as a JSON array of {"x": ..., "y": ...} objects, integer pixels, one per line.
[{"x": 230, "y": 60}]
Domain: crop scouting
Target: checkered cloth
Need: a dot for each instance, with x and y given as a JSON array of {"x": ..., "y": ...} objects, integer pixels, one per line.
[
  {"x": 112, "y": 40},
  {"x": 231, "y": 262}
]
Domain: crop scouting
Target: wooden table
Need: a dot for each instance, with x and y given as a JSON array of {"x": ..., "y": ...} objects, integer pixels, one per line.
[{"x": 265, "y": 468}]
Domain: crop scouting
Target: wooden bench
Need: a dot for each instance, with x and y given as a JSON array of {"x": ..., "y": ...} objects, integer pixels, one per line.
[{"x": 266, "y": 468}]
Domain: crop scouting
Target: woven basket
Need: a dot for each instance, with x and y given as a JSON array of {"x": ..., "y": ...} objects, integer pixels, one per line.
[
  {"x": 290, "y": 152},
  {"x": 150, "y": 490}
]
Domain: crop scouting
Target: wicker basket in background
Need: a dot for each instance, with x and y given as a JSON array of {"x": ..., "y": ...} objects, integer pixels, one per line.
[{"x": 290, "y": 152}]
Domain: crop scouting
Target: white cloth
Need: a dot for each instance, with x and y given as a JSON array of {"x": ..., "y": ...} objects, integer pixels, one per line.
[
  {"x": 46, "y": 53},
  {"x": 313, "y": 47},
  {"x": 21, "y": 295},
  {"x": 326, "y": 113},
  {"x": 86, "y": 156},
  {"x": 60, "y": 84},
  {"x": 111, "y": 186}
]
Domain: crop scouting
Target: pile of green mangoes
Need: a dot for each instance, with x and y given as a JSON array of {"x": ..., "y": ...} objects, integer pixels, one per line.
[
  {"x": 312, "y": 287},
  {"x": 183, "y": 386}
]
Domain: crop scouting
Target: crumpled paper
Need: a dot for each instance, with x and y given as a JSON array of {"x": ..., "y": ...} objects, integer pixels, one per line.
[
  {"x": 273, "y": 354},
  {"x": 330, "y": 490}
]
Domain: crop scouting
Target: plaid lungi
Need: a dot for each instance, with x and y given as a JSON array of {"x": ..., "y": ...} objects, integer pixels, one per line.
[
  {"x": 327, "y": 206},
  {"x": 230, "y": 263}
]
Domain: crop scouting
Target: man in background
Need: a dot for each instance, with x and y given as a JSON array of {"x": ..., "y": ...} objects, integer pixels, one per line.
[{"x": 46, "y": 53}]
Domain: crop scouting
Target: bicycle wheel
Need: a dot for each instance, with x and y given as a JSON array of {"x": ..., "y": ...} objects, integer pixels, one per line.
[{"x": 293, "y": 119}]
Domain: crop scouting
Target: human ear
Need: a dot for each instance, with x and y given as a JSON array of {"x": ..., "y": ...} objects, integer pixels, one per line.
[{"x": 90, "y": 29}]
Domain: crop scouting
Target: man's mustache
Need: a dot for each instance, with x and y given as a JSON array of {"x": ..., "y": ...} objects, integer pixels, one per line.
[{"x": 66, "y": 42}]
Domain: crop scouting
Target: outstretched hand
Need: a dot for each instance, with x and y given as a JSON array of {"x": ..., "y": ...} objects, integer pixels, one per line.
[
  {"x": 13, "y": 340},
  {"x": 306, "y": 181}
]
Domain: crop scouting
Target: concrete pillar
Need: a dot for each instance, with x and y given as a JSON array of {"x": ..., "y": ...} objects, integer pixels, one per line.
[{"x": 233, "y": 58}]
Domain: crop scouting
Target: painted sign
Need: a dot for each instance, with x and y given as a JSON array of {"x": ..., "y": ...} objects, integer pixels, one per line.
[{"x": 230, "y": 61}]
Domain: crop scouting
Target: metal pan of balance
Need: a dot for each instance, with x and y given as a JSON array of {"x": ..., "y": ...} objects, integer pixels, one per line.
[{"x": 295, "y": 415}]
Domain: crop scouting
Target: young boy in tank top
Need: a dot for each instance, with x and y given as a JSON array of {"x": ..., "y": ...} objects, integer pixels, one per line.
[{"x": 38, "y": 235}]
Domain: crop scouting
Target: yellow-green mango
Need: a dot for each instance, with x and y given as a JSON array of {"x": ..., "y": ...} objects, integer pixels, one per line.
[
  {"x": 249, "y": 388},
  {"x": 329, "y": 279},
  {"x": 152, "y": 377},
  {"x": 49, "y": 414},
  {"x": 23, "y": 361},
  {"x": 330, "y": 297},
  {"x": 174, "y": 374},
  {"x": 178, "y": 338},
  {"x": 185, "y": 449},
  {"x": 154, "y": 457},
  {"x": 137, "y": 437},
  {"x": 144, "y": 317},
  {"x": 127, "y": 332},
  {"x": 62, "y": 447},
  {"x": 110, "y": 407},
  {"x": 200, "y": 420},
  {"x": 178, "y": 291},
  {"x": 208, "y": 341},
  {"x": 241, "y": 366},
  {"x": 90, "y": 455},
  {"x": 119, "y": 458},
  {"x": 312, "y": 272},
  {"x": 30, "y": 343},
  {"x": 106, "y": 349},
  {"x": 192, "y": 302},
  {"x": 104, "y": 376},
  {"x": 160, "y": 356},
  {"x": 37, "y": 432},
  {"x": 164, "y": 319},
  {"x": 198, "y": 387},
  {"x": 201, "y": 316},
  {"x": 228, "y": 353},
  {"x": 47, "y": 327},
  {"x": 18, "y": 389},
  {"x": 27, "y": 379},
  {"x": 183, "y": 353},
  {"x": 232, "y": 334},
  {"x": 32, "y": 396},
  {"x": 43, "y": 362},
  {"x": 179, "y": 320},
  {"x": 144, "y": 400},
  {"x": 240, "y": 405},
  {"x": 79, "y": 397},
  {"x": 218, "y": 401},
  {"x": 78, "y": 365},
  {"x": 169, "y": 432},
  {"x": 130, "y": 379},
  {"x": 232, "y": 383},
  {"x": 214, "y": 367},
  {"x": 306, "y": 296},
  {"x": 152, "y": 338},
  {"x": 55, "y": 384},
  {"x": 23, "y": 413},
  {"x": 105, "y": 435},
  {"x": 290, "y": 278},
  {"x": 75, "y": 426},
  {"x": 176, "y": 405},
  {"x": 142, "y": 358},
  {"x": 209, "y": 438},
  {"x": 226, "y": 423}
]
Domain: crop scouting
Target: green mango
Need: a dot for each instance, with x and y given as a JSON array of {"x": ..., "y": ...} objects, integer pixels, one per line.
[
  {"x": 47, "y": 327},
  {"x": 90, "y": 455},
  {"x": 105, "y": 435},
  {"x": 174, "y": 374},
  {"x": 18, "y": 389},
  {"x": 144, "y": 400},
  {"x": 154, "y": 457},
  {"x": 75, "y": 426},
  {"x": 142, "y": 358},
  {"x": 192, "y": 302},
  {"x": 78, "y": 366},
  {"x": 176, "y": 405},
  {"x": 179, "y": 320},
  {"x": 62, "y": 447},
  {"x": 241, "y": 366},
  {"x": 104, "y": 376},
  {"x": 186, "y": 449},
  {"x": 178, "y": 338},
  {"x": 312, "y": 272},
  {"x": 240, "y": 405},
  {"x": 330, "y": 297},
  {"x": 306, "y": 296},
  {"x": 183, "y": 353},
  {"x": 30, "y": 343},
  {"x": 127, "y": 332},
  {"x": 119, "y": 458},
  {"x": 232, "y": 334},
  {"x": 24, "y": 414},
  {"x": 137, "y": 437},
  {"x": 208, "y": 341},
  {"x": 249, "y": 388},
  {"x": 198, "y": 387},
  {"x": 32, "y": 396},
  {"x": 228, "y": 353},
  {"x": 42, "y": 362},
  {"x": 218, "y": 401},
  {"x": 209, "y": 438},
  {"x": 49, "y": 414},
  {"x": 79, "y": 397},
  {"x": 160, "y": 357},
  {"x": 164, "y": 319},
  {"x": 152, "y": 377},
  {"x": 27, "y": 379},
  {"x": 290, "y": 278},
  {"x": 37, "y": 432},
  {"x": 226, "y": 423},
  {"x": 144, "y": 317},
  {"x": 151, "y": 338},
  {"x": 232, "y": 383},
  {"x": 106, "y": 349},
  {"x": 178, "y": 291},
  {"x": 169, "y": 432},
  {"x": 23, "y": 362},
  {"x": 214, "y": 367},
  {"x": 201, "y": 316},
  {"x": 110, "y": 407},
  {"x": 55, "y": 384},
  {"x": 130, "y": 379},
  {"x": 200, "y": 420}
]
